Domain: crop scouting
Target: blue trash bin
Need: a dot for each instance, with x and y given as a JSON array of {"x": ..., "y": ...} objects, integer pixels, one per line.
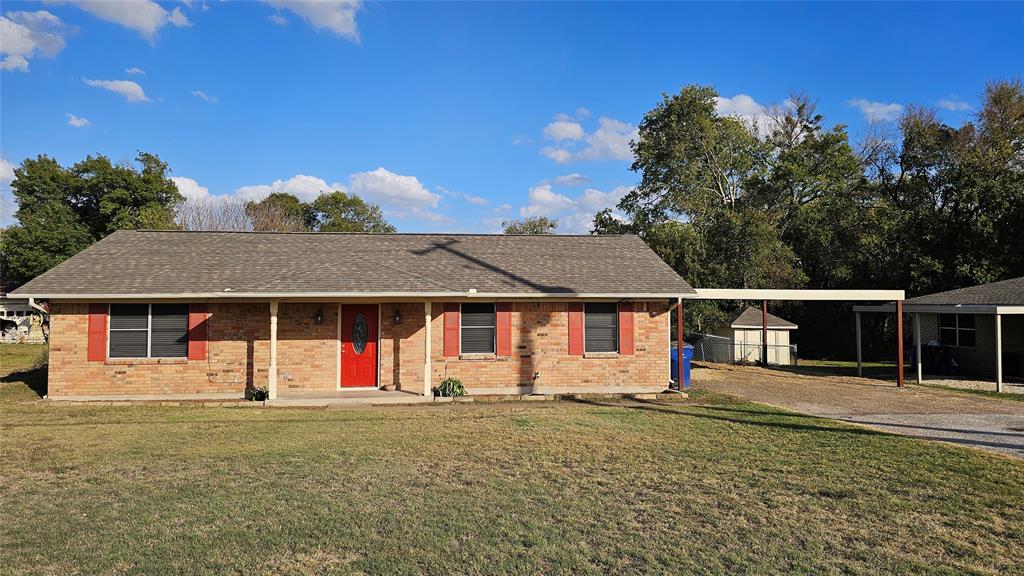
[{"x": 687, "y": 357}]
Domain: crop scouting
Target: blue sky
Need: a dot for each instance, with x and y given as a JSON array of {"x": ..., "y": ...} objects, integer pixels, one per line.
[{"x": 453, "y": 116}]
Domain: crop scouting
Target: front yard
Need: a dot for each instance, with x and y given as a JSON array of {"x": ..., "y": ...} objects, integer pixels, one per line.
[{"x": 713, "y": 485}]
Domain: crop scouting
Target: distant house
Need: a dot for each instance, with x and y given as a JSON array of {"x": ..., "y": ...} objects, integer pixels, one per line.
[
  {"x": 970, "y": 330},
  {"x": 20, "y": 322},
  {"x": 746, "y": 331},
  {"x": 214, "y": 314}
]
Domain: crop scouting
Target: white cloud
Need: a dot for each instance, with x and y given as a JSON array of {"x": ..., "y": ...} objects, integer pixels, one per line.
[
  {"x": 877, "y": 111},
  {"x": 191, "y": 189},
  {"x": 954, "y": 104},
  {"x": 144, "y": 16},
  {"x": 134, "y": 70},
  {"x": 386, "y": 187},
  {"x": 278, "y": 19},
  {"x": 582, "y": 112},
  {"x": 747, "y": 110},
  {"x": 502, "y": 208},
  {"x": 477, "y": 200},
  {"x": 24, "y": 34},
  {"x": 560, "y": 130},
  {"x": 76, "y": 121},
  {"x": 545, "y": 202},
  {"x": 204, "y": 96},
  {"x": 574, "y": 215},
  {"x": 302, "y": 186},
  {"x": 7, "y": 204},
  {"x": 337, "y": 16},
  {"x": 559, "y": 155},
  {"x": 131, "y": 91},
  {"x": 574, "y": 179},
  {"x": 610, "y": 141}
]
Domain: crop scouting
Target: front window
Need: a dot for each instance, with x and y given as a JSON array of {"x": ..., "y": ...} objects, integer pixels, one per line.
[
  {"x": 148, "y": 331},
  {"x": 601, "y": 327},
  {"x": 477, "y": 328},
  {"x": 957, "y": 330}
]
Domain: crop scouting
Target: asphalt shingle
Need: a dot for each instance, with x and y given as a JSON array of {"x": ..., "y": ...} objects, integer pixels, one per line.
[
  {"x": 136, "y": 263},
  {"x": 1005, "y": 293}
]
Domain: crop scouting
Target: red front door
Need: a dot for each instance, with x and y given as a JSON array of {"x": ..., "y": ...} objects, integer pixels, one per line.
[{"x": 359, "y": 345}]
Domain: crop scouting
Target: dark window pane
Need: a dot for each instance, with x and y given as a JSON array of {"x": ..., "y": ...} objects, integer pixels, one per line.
[
  {"x": 966, "y": 320},
  {"x": 170, "y": 331},
  {"x": 125, "y": 316},
  {"x": 600, "y": 325},
  {"x": 128, "y": 343},
  {"x": 947, "y": 320},
  {"x": 967, "y": 338},
  {"x": 477, "y": 340},
  {"x": 947, "y": 336},
  {"x": 478, "y": 314}
]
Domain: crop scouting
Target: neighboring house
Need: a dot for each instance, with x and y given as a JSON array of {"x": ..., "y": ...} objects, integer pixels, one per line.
[
  {"x": 217, "y": 313},
  {"x": 19, "y": 321},
  {"x": 959, "y": 332},
  {"x": 746, "y": 331}
]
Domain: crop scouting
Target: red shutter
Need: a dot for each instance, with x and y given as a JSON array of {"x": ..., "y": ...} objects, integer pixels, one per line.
[
  {"x": 576, "y": 328},
  {"x": 625, "y": 327},
  {"x": 451, "y": 329},
  {"x": 97, "y": 347},
  {"x": 503, "y": 315},
  {"x": 197, "y": 329}
]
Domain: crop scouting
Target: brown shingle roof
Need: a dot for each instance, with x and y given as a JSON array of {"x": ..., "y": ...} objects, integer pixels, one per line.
[
  {"x": 138, "y": 263},
  {"x": 752, "y": 317},
  {"x": 1005, "y": 293}
]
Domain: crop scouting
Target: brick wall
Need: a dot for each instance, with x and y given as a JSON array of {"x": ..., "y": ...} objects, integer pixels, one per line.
[
  {"x": 540, "y": 344},
  {"x": 238, "y": 354}
]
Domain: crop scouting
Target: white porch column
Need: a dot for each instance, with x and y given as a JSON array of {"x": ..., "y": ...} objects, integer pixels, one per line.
[
  {"x": 999, "y": 352},
  {"x": 857, "y": 323},
  {"x": 917, "y": 344},
  {"x": 426, "y": 349},
  {"x": 272, "y": 375}
]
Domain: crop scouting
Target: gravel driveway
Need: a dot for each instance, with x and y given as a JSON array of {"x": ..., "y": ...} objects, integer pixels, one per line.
[{"x": 986, "y": 423}]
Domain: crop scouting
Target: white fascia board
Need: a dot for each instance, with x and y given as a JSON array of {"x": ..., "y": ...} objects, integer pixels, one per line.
[
  {"x": 356, "y": 295},
  {"x": 760, "y": 327},
  {"x": 796, "y": 295}
]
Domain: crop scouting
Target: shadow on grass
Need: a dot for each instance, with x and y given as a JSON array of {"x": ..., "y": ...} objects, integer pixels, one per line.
[
  {"x": 770, "y": 421},
  {"x": 33, "y": 378},
  {"x": 871, "y": 372}
]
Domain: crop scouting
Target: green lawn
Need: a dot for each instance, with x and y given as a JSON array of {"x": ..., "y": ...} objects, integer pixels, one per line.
[{"x": 712, "y": 486}]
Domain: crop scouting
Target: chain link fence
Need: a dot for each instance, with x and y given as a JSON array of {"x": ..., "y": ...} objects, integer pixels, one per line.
[{"x": 722, "y": 350}]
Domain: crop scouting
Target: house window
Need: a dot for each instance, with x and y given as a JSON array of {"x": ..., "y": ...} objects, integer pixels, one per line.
[
  {"x": 148, "y": 331},
  {"x": 957, "y": 330},
  {"x": 601, "y": 327},
  {"x": 477, "y": 328}
]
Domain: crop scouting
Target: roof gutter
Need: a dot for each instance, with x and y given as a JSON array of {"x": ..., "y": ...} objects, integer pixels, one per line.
[{"x": 336, "y": 295}]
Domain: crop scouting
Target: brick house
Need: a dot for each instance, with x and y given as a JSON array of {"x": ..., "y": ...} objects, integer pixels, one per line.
[{"x": 217, "y": 314}]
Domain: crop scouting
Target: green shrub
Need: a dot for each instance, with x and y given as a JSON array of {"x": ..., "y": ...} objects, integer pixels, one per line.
[{"x": 451, "y": 387}]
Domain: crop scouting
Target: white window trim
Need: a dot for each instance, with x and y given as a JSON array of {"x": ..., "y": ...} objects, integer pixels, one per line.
[
  {"x": 618, "y": 345},
  {"x": 149, "y": 336},
  {"x": 494, "y": 326},
  {"x": 957, "y": 329}
]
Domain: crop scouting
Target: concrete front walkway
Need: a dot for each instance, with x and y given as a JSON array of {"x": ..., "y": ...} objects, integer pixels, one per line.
[{"x": 960, "y": 418}]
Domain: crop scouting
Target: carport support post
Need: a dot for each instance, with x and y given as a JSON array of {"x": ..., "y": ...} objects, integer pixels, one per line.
[
  {"x": 917, "y": 344},
  {"x": 272, "y": 373},
  {"x": 764, "y": 332},
  {"x": 899, "y": 343},
  {"x": 999, "y": 352},
  {"x": 856, "y": 316},
  {"x": 679, "y": 343}
]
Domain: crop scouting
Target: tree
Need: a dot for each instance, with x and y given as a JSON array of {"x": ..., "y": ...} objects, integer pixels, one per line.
[
  {"x": 341, "y": 212},
  {"x": 213, "y": 213},
  {"x": 535, "y": 225},
  {"x": 63, "y": 210},
  {"x": 280, "y": 212}
]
